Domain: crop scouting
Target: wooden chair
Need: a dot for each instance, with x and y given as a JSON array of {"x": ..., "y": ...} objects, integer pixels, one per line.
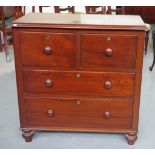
[
  {"x": 4, "y": 33},
  {"x": 17, "y": 11},
  {"x": 135, "y": 10},
  {"x": 33, "y": 9},
  {"x": 70, "y": 9},
  {"x": 40, "y": 8},
  {"x": 147, "y": 32},
  {"x": 95, "y": 9},
  {"x": 0, "y": 43},
  {"x": 117, "y": 10},
  {"x": 103, "y": 10},
  {"x": 153, "y": 38}
]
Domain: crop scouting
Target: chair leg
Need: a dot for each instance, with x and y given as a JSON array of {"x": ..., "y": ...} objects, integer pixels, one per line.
[
  {"x": 4, "y": 35},
  {"x": 151, "y": 67},
  {"x": 6, "y": 48},
  {"x": 146, "y": 40},
  {"x": 1, "y": 45}
]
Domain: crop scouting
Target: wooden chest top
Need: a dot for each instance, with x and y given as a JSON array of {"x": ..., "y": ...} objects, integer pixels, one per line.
[{"x": 82, "y": 21}]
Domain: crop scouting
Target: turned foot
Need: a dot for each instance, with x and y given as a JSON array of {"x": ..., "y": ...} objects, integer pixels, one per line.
[
  {"x": 28, "y": 135},
  {"x": 131, "y": 138}
]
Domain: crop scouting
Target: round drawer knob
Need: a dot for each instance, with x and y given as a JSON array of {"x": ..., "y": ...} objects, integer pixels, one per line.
[
  {"x": 107, "y": 114},
  {"x": 108, "y": 52},
  {"x": 108, "y": 84},
  {"x": 78, "y": 75},
  {"x": 50, "y": 113},
  {"x": 48, "y": 50},
  {"x": 49, "y": 83}
]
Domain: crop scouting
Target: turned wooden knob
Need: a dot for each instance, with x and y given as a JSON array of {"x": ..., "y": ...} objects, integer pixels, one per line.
[
  {"x": 48, "y": 83},
  {"x": 108, "y": 52},
  {"x": 108, "y": 84},
  {"x": 50, "y": 113},
  {"x": 107, "y": 114},
  {"x": 48, "y": 50}
]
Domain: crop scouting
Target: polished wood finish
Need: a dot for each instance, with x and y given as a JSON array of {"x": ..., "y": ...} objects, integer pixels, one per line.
[
  {"x": 28, "y": 135},
  {"x": 50, "y": 49},
  {"x": 79, "y": 74},
  {"x": 88, "y": 84},
  {"x": 80, "y": 21},
  {"x": 105, "y": 50},
  {"x": 146, "y": 12},
  {"x": 88, "y": 114},
  {"x": 141, "y": 10},
  {"x": 131, "y": 138}
]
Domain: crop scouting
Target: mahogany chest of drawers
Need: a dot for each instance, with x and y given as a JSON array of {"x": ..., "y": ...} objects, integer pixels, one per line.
[{"x": 79, "y": 73}]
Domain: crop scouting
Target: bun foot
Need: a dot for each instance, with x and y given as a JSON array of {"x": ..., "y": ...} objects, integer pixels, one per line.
[
  {"x": 28, "y": 135},
  {"x": 131, "y": 138}
]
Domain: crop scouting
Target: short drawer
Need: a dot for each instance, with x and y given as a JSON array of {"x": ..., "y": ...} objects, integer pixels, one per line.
[
  {"x": 78, "y": 113},
  {"x": 47, "y": 49},
  {"x": 78, "y": 83},
  {"x": 108, "y": 50}
]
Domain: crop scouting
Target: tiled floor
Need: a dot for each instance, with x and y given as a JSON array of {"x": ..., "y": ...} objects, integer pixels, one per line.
[{"x": 10, "y": 135}]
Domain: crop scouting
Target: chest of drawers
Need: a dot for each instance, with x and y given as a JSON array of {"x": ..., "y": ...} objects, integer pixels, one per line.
[{"x": 79, "y": 73}]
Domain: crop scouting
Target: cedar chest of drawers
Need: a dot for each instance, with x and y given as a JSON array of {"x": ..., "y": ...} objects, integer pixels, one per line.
[{"x": 79, "y": 73}]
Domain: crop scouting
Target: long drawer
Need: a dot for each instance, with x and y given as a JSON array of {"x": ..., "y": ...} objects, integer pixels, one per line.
[
  {"x": 108, "y": 50},
  {"x": 47, "y": 49},
  {"x": 78, "y": 113},
  {"x": 78, "y": 83}
]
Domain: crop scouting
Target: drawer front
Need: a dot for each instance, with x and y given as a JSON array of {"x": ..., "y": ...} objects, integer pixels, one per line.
[
  {"x": 117, "y": 51},
  {"x": 78, "y": 83},
  {"x": 78, "y": 113},
  {"x": 48, "y": 49}
]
